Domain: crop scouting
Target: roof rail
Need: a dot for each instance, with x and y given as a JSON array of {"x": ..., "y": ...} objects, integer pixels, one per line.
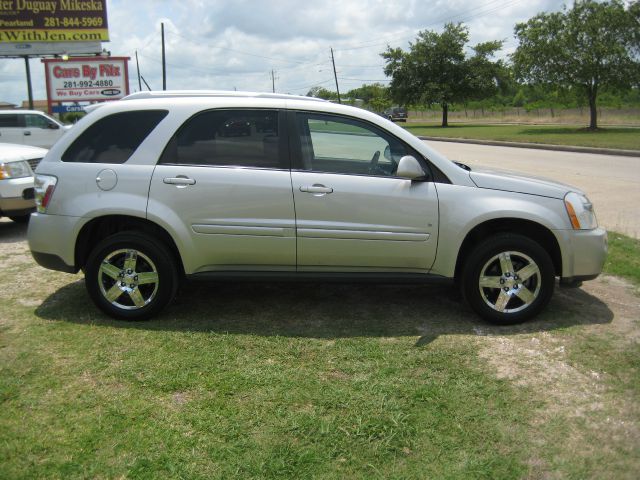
[{"x": 215, "y": 93}]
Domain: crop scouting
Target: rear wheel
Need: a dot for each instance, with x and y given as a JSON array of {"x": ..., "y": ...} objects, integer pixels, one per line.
[
  {"x": 131, "y": 276},
  {"x": 508, "y": 279}
]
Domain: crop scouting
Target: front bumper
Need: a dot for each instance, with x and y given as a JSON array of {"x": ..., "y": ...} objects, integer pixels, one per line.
[
  {"x": 583, "y": 254},
  {"x": 16, "y": 196}
]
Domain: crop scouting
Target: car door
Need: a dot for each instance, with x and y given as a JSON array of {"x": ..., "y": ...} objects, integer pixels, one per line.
[
  {"x": 223, "y": 184},
  {"x": 39, "y": 131},
  {"x": 352, "y": 212}
]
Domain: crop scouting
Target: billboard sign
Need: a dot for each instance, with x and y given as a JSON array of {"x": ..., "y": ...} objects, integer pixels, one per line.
[
  {"x": 86, "y": 79},
  {"x": 27, "y": 22}
]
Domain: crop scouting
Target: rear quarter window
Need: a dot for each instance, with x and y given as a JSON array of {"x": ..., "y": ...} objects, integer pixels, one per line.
[{"x": 113, "y": 139}]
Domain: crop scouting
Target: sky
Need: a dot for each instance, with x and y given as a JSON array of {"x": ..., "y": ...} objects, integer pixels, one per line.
[{"x": 226, "y": 45}]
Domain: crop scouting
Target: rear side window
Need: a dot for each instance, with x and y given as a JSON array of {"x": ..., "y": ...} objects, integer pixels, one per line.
[
  {"x": 9, "y": 120},
  {"x": 238, "y": 138},
  {"x": 114, "y": 138}
]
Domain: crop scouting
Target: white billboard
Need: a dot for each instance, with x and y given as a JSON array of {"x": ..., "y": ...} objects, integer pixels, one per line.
[
  {"x": 49, "y": 48},
  {"x": 86, "y": 79}
]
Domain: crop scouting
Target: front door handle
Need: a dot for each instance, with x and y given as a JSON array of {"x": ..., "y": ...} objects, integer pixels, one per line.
[
  {"x": 179, "y": 180},
  {"x": 316, "y": 188},
  {"x": 27, "y": 133}
]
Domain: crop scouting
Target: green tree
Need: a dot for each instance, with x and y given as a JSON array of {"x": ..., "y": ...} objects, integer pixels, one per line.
[
  {"x": 321, "y": 92},
  {"x": 375, "y": 96},
  {"x": 591, "y": 46},
  {"x": 437, "y": 70}
]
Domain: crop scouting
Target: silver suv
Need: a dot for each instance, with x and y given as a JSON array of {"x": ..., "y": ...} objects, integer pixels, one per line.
[{"x": 241, "y": 186}]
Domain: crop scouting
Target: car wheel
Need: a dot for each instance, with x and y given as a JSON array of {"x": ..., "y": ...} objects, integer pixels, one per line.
[
  {"x": 131, "y": 276},
  {"x": 508, "y": 279},
  {"x": 21, "y": 218}
]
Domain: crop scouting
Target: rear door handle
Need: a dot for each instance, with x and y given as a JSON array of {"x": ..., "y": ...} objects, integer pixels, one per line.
[
  {"x": 179, "y": 180},
  {"x": 27, "y": 132},
  {"x": 316, "y": 188}
]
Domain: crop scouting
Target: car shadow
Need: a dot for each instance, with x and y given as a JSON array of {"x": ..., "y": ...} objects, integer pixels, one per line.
[
  {"x": 12, "y": 232},
  {"x": 325, "y": 311}
]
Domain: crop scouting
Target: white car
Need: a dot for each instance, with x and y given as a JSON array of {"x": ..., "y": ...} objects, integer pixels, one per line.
[
  {"x": 17, "y": 163},
  {"x": 30, "y": 127}
]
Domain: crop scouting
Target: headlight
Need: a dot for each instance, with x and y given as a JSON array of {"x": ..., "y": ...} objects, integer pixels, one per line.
[
  {"x": 15, "y": 170},
  {"x": 580, "y": 211}
]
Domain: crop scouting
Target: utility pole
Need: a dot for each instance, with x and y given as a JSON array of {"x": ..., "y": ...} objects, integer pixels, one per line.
[
  {"x": 29, "y": 88},
  {"x": 273, "y": 81},
  {"x": 335, "y": 75},
  {"x": 145, "y": 82},
  {"x": 138, "y": 68},
  {"x": 164, "y": 62}
]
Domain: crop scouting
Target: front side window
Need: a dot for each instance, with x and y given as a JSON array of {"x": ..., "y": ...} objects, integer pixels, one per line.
[
  {"x": 36, "y": 121},
  {"x": 114, "y": 138},
  {"x": 343, "y": 145},
  {"x": 235, "y": 138}
]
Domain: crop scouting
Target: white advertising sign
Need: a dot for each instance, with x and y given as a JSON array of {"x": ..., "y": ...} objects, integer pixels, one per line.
[
  {"x": 86, "y": 79},
  {"x": 49, "y": 48}
]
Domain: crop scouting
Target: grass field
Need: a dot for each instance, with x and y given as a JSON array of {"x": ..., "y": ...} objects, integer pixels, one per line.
[
  {"x": 313, "y": 381},
  {"x": 611, "y": 137},
  {"x": 624, "y": 257}
]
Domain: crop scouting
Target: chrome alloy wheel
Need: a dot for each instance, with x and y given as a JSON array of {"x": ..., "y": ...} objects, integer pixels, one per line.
[
  {"x": 128, "y": 279},
  {"x": 510, "y": 282}
]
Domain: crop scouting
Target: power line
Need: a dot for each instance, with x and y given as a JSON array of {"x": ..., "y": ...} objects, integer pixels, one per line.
[
  {"x": 366, "y": 79},
  {"x": 316, "y": 84},
  {"x": 195, "y": 42},
  {"x": 205, "y": 70}
]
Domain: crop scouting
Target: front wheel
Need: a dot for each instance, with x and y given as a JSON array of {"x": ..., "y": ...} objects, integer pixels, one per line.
[
  {"x": 508, "y": 279},
  {"x": 131, "y": 276}
]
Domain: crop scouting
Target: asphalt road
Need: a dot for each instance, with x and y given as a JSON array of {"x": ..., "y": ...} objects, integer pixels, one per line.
[{"x": 611, "y": 182}]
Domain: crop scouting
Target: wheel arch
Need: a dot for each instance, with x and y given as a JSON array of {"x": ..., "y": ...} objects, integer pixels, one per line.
[
  {"x": 537, "y": 232},
  {"x": 101, "y": 227}
]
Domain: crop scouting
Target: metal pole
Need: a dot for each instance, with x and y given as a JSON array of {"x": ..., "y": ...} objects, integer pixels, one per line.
[
  {"x": 164, "y": 63},
  {"x": 273, "y": 82},
  {"x": 145, "y": 82},
  {"x": 29, "y": 88},
  {"x": 138, "y": 68},
  {"x": 335, "y": 75}
]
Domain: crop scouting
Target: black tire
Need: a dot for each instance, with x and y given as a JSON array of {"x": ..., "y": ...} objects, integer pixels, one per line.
[
  {"x": 517, "y": 278},
  {"x": 140, "y": 267},
  {"x": 21, "y": 218}
]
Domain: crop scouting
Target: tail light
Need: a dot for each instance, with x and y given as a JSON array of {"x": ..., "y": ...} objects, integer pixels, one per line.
[{"x": 44, "y": 186}]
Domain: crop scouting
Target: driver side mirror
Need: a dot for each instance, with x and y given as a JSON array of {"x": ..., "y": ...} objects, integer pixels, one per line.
[
  {"x": 410, "y": 168},
  {"x": 53, "y": 126}
]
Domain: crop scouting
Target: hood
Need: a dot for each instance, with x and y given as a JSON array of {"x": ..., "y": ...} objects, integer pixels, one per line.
[
  {"x": 515, "y": 182},
  {"x": 11, "y": 152}
]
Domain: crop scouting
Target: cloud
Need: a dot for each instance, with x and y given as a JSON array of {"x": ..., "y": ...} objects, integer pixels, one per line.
[{"x": 227, "y": 44}]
